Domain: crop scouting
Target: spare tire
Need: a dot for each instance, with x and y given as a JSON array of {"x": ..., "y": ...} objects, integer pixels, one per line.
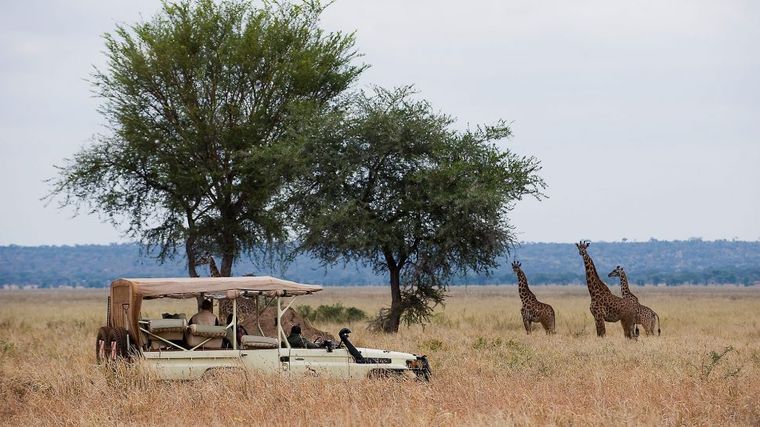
[
  {"x": 119, "y": 336},
  {"x": 103, "y": 345}
]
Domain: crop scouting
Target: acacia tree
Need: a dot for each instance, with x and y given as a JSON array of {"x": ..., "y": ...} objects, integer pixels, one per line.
[
  {"x": 392, "y": 185},
  {"x": 199, "y": 101}
]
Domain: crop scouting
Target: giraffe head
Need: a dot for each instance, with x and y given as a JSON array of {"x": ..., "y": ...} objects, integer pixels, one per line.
[
  {"x": 203, "y": 259},
  {"x": 516, "y": 266},
  {"x": 617, "y": 272},
  {"x": 583, "y": 246}
]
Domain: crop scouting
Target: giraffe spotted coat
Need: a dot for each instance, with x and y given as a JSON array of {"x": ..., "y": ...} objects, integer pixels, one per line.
[
  {"x": 533, "y": 310},
  {"x": 606, "y": 307},
  {"x": 645, "y": 316}
]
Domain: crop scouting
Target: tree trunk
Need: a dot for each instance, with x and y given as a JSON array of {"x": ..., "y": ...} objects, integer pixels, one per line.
[
  {"x": 191, "y": 271},
  {"x": 226, "y": 270},
  {"x": 394, "y": 317},
  {"x": 190, "y": 254},
  {"x": 225, "y": 305}
]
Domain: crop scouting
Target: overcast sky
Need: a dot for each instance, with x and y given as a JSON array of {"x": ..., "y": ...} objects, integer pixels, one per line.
[{"x": 645, "y": 115}]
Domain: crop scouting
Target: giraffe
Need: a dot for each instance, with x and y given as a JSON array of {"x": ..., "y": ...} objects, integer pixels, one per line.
[
  {"x": 606, "y": 307},
  {"x": 625, "y": 291},
  {"x": 645, "y": 316},
  {"x": 207, "y": 258},
  {"x": 532, "y": 309}
]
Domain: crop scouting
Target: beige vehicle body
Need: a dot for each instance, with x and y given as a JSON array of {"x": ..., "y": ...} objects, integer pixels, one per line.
[
  {"x": 172, "y": 350},
  {"x": 289, "y": 362}
]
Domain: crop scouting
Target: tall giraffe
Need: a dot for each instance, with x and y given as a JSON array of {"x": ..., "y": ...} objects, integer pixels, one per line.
[
  {"x": 606, "y": 307},
  {"x": 209, "y": 259},
  {"x": 645, "y": 316},
  {"x": 532, "y": 309}
]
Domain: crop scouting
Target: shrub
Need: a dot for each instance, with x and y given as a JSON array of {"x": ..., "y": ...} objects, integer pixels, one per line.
[{"x": 335, "y": 313}]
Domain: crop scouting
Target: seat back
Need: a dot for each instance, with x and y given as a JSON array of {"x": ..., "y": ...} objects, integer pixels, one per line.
[
  {"x": 168, "y": 329},
  {"x": 197, "y": 334}
]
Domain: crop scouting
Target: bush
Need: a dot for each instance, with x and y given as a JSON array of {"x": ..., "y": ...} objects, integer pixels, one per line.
[{"x": 335, "y": 313}]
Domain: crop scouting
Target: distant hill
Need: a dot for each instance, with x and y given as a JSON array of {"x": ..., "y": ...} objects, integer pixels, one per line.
[{"x": 653, "y": 262}]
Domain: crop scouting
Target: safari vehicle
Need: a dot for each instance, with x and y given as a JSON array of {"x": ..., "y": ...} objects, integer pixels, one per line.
[{"x": 176, "y": 350}]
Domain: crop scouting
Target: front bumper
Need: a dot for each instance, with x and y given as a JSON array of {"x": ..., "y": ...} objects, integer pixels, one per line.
[{"x": 420, "y": 367}]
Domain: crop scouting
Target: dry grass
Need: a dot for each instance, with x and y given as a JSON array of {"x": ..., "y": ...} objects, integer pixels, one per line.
[{"x": 486, "y": 369}]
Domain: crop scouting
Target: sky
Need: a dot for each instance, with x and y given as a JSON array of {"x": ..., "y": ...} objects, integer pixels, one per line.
[{"x": 645, "y": 115}]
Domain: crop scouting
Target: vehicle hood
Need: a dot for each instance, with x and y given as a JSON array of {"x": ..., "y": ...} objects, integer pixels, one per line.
[{"x": 377, "y": 353}]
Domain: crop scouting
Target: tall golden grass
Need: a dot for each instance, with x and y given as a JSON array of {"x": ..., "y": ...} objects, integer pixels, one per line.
[{"x": 486, "y": 370}]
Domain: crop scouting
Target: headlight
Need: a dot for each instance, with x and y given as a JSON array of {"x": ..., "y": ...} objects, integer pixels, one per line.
[{"x": 414, "y": 364}]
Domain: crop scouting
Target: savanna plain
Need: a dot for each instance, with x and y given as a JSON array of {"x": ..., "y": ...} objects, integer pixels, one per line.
[{"x": 703, "y": 370}]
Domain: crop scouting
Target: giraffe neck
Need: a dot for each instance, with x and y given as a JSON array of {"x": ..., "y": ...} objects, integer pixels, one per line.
[
  {"x": 594, "y": 283},
  {"x": 624, "y": 290},
  {"x": 212, "y": 268},
  {"x": 525, "y": 294}
]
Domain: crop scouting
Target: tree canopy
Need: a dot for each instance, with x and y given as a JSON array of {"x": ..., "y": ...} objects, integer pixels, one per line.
[
  {"x": 200, "y": 101},
  {"x": 393, "y": 185}
]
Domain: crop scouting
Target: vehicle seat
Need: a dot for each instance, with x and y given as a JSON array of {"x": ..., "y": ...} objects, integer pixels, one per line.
[
  {"x": 168, "y": 329},
  {"x": 196, "y": 334},
  {"x": 254, "y": 342}
]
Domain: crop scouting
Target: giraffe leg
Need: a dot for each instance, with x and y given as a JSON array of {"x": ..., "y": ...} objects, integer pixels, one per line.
[
  {"x": 649, "y": 325},
  {"x": 544, "y": 323},
  {"x": 552, "y": 319},
  {"x": 636, "y": 322},
  {"x": 629, "y": 328},
  {"x": 598, "y": 312},
  {"x": 526, "y": 323},
  {"x": 640, "y": 319},
  {"x": 626, "y": 330},
  {"x": 658, "y": 323},
  {"x": 547, "y": 321},
  {"x": 600, "y": 328},
  {"x": 548, "y": 324}
]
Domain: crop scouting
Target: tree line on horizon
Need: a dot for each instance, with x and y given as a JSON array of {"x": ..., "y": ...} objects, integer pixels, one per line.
[{"x": 670, "y": 263}]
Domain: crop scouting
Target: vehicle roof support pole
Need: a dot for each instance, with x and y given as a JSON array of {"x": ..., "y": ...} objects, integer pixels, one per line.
[
  {"x": 109, "y": 323},
  {"x": 280, "y": 332},
  {"x": 126, "y": 322},
  {"x": 234, "y": 323},
  {"x": 291, "y": 303},
  {"x": 258, "y": 317}
]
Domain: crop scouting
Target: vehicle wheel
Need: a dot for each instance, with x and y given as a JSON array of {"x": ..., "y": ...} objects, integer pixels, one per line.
[
  {"x": 118, "y": 340},
  {"x": 103, "y": 345},
  {"x": 385, "y": 373},
  {"x": 219, "y": 374}
]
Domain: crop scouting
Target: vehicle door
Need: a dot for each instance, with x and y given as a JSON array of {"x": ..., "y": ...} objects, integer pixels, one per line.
[{"x": 319, "y": 362}]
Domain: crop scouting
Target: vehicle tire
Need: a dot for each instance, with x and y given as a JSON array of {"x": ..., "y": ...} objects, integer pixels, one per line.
[
  {"x": 219, "y": 374},
  {"x": 119, "y": 337},
  {"x": 103, "y": 345},
  {"x": 385, "y": 373}
]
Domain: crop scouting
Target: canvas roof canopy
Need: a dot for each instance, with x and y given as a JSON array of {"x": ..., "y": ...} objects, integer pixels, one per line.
[
  {"x": 127, "y": 294},
  {"x": 216, "y": 287}
]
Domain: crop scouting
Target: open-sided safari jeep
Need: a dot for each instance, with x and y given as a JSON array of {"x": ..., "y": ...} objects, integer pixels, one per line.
[{"x": 176, "y": 350}]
